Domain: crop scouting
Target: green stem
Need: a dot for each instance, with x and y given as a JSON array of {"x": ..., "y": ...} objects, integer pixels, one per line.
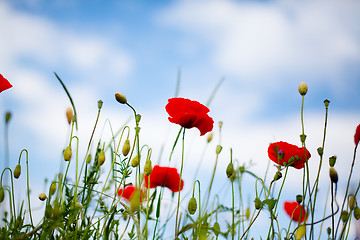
[{"x": 181, "y": 170}]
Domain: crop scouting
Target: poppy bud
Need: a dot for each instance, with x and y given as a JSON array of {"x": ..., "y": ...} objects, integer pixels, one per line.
[
  {"x": 303, "y": 88},
  {"x": 69, "y": 114},
  {"x": 220, "y": 124},
  {"x": 320, "y": 151},
  {"x": 101, "y": 158},
  {"x": 148, "y": 167},
  {"x": 135, "y": 161},
  {"x": 300, "y": 232},
  {"x": 210, "y": 137},
  {"x": 333, "y": 175},
  {"x": 247, "y": 213},
  {"x": 100, "y": 103},
  {"x": 218, "y": 149},
  {"x": 2, "y": 194},
  {"x": 17, "y": 171},
  {"x": 135, "y": 201},
  {"x": 344, "y": 216},
  {"x": 241, "y": 169},
  {"x": 120, "y": 98},
  {"x": 299, "y": 198},
  {"x": 216, "y": 228},
  {"x": 138, "y": 118},
  {"x": 42, "y": 196},
  {"x": 52, "y": 188},
  {"x": 126, "y": 147},
  {"x": 357, "y": 213},
  {"x": 277, "y": 176},
  {"x": 328, "y": 230},
  {"x": 332, "y": 161},
  {"x": 258, "y": 203},
  {"x": 125, "y": 215},
  {"x": 326, "y": 103},
  {"x": 352, "y": 202},
  {"x": 67, "y": 153},
  {"x": 7, "y": 117},
  {"x": 88, "y": 159},
  {"x": 229, "y": 170},
  {"x": 302, "y": 138},
  {"x": 271, "y": 203},
  {"x": 192, "y": 206}
]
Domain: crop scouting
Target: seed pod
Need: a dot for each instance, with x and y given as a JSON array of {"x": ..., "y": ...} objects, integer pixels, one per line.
[
  {"x": 120, "y": 98},
  {"x": 101, "y": 158},
  {"x": 2, "y": 194},
  {"x": 17, "y": 171},
  {"x": 326, "y": 102},
  {"x": 299, "y": 198},
  {"x": 230, "y": 170},
  {"x": 52, "y": 188},
  {"x": 67, "y": 153},
  {"x": 135, "y": 161},
  {"x": 126, "y": 147},
  {"x": 320, "y": 151},
  {"x": 303, "y": 88},
  {"x": 148, "y": 167},
  {"x": 332, "y": 161},
  {"x": 42, "y": 196},
  {"x": 192, "y": 206},
  {"x": 357, "y": 213},
  {"x": 333, "y": 175},
  {"x": 277, "y": 176},
  {"x": 100, "y": 103}
]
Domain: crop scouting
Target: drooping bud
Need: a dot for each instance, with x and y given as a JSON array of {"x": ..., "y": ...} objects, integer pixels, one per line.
[
  {"x": 357, "y": 213},
  {"x": 303, "y": 88},
  {"x": 300, "y": 232},
  {"x": 126, "y": 147},
  {"x": 229, "y": 170},
  {"x": 209, "y": 137},
  {"x": 352, "y": 202},
  {"x": 100, "y": 103},
  {"x": 277, "y": 176},
  {"x": 148, "y": 167},
  {"x": 326, "y": 103},
  {"x": 17, "y": 171},
  {"x": 320, "y": 151},
  {"x": 69, "y": 114},
  {"x": 218, "y": 149},
  {"x": 333, "y": 175},
  {"x": 67, "y": 153},
  {"x": 2, "y": 194},
  {"x": 344, "y": 216},
  {"x": 42, "y": 196},
  {"x": 101, "y": 158},
  {"x": 135, "y": 161},
  {"x": 120, "y": 98},
  {"x": 192, "y": 206},
  {"x": 52, "y": 188},
  {"x": 332, "y": 161}
]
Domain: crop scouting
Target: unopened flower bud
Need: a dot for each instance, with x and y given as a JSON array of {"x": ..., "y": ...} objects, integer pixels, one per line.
[
  {"x": 299, "y": 198},
  {"x": 242, "y": 169},
  {"x": 344, "y": 216},
  {"x": 247, "y": 213},
  {"x": 2, "y": 194},
  {"x": 126, "y": 147},
  {"x": 218, "y": 149},
  {"x": 303, "y": 88},
  {"x": 101, "y": 158},
  {"x": 67, "y": 153},
  {"x": 229, "y": 170},
  {"x": 17, "y": 171},
  {"x": 277, "y": 176},
  {"x": 216, "y": 228},
  {"x": 148, "y": 167},
  {"x": 192, "y": 206},
  {"x": 69, "y": 114},
  {"x": 328, "y": 230},
  {"x": 300, "y": 232},
  {"x": 52, "y": 188},
  {"x": 135, "y": 201},
  {"x": 332, "y": 161},
  {"x": 100, "y": 103},
  {"x": 135, "y": 161},
  {"x": 42, "y": 196},
  {"x": 352, "y": 202},
  {"x": 258, "y": 203},
  {"x": 7, "y": 117},
  {"x": 357, "y": 213},
  {"x": 220, "y": 124},
  {"x": 326, "y": 103},
  {"x": 333, "y": 175},
  {"x": 88, "y": 159},
  {"x": 210, "y": 137},
  {"x": 320, "y": 151},
  {"x": 120, "y": 98}
]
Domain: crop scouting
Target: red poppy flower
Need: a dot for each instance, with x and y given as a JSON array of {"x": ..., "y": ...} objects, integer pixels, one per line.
[
  {"x": 357, "y": 135},
  {"x": 189, "y": 114},
  {"x": 4, "y": 84},
  {"x": 296, "y": 211},
  {"x": 166, "y": 177},
  {"x": 283, "y": 152},
  {"x": 128, "y": 192}
]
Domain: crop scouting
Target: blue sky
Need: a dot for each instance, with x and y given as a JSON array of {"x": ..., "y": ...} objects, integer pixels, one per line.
[{"x": 263, "y": 50}]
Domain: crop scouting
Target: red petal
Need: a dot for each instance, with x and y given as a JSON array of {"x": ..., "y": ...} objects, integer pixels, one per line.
[
  {"x": 295, "y": 211},
  {"x": 4, "y": 83},
  {"x": 357, "y": 135},
  {"x": 166, "y": 177}
]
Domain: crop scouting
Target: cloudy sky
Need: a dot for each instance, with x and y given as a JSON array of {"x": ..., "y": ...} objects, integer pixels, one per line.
[{"x": 262, "y": 50}]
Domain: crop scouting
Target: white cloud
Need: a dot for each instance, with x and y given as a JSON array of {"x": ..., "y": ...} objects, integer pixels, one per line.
[{"x": 264, "y": 40}]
